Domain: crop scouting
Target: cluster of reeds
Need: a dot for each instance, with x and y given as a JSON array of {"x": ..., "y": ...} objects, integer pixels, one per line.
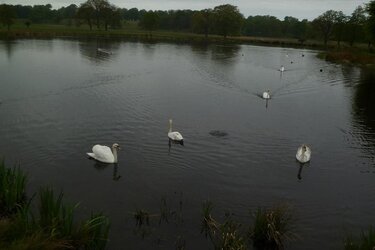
[
  {"x": 49, "y": 226},
  {"x": 272, "y": 227},
  {"x": 270, "y": 230},
  {"x": 225, "y": 235},
  {"x": 365, "y": 242},
  {"x": 12, "y": 189}
]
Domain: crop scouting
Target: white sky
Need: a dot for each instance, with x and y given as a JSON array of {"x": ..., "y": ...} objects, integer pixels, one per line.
[{"x": 280, "y": 8}]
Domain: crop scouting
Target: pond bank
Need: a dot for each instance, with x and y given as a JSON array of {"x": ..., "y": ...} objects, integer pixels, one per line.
[{"x": 354, "y": 56}]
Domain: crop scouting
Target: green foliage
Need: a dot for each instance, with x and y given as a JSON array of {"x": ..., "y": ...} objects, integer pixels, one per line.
[
  {"x": 271, "y": 228},
  {"x": 325, "y": 23},
  {"x": 370, "y": 8},
  {"x": 7, "y": 14},
  {"x": 149, "y": 21},
  {"x": 227, "y": 20},
  {"x": 366, "y": 241},
  {"x": 202, "y": 21},
  {"x": 12, "y": 189}
]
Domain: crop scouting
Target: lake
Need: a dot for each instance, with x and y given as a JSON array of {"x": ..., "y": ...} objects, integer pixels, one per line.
[{"x": 60, "y": 97}]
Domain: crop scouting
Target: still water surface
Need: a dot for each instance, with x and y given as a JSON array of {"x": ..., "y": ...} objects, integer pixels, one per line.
[{"x": 60, "y": 97}]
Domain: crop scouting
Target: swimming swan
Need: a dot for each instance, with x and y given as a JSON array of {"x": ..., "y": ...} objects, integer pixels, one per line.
[
  {"x": 175, "y": 136},
  {"x": 303, "y": 154},
  {"x": 104, "y": 153},
  {"x": 266, "y": 95},
  {"x": 282, "y": 69}
]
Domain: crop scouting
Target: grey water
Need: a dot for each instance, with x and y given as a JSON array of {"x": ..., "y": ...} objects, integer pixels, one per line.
[{"x": 60, "y": 97}]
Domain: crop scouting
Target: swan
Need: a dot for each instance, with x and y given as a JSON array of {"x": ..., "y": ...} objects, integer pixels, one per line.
[
  {"x": 303, "y": 154},
  {"x": 282, "y": 69},
  {"x": 266, "y": 95},
  {"x": 104, "y": 153},
  {"x": 175, "y": 136}
]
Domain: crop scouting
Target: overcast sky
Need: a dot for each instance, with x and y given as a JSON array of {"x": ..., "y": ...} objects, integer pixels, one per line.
[{"x": 280, "y": 8}]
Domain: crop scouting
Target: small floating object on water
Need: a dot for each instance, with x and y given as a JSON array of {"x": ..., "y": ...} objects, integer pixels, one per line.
[
  {"x": 291, "y": 62},
  {"x": 282, "y": 69},
  {"x": 321, "y": 70},
  {"x": 104, "y": 153},
  {"x": 266, "y": 95},
  {"x": 218, "y": 133},
  {"x": 303, "y": 55},
  {"x": 303, "y": 154},
  {"x": 175, "y": 136}
]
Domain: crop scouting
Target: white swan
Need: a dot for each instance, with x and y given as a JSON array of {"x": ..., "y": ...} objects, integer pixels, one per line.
[
  {"x": 175, "y": 136},
  {"x": 303, "y": 154},
  {"x": 104, "y": 153},
  {"x": 282, "y": 69},
  {"x": 266, "y": 95}
]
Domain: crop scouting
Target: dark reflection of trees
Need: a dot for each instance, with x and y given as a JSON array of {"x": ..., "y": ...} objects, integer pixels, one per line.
[
  {"x": 217, "y": 53},
  {"x": 220, "y": 52},
  {"x": 364, "y": 107},
  {"x": 9, "y": 47},
  {"x": 99, "y": 50}
]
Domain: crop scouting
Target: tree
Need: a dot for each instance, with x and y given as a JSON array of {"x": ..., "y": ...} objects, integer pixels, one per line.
[
  {"x": 356, "y": 24},
  {"x": 325, "y": 23},
  {"x": 111, "y": 15},
  {"x": 227, "y": 20},
  {"x": 99, "y": 7},
  {"x": 149, "y": 21},
  {"x": 7, "y": 14},
  {"x": 201, "y": 21},
  {"x": 370, "y": 8},
  {"x": 86, "y": 12},
  {"x": 265, "y": 26},
  {"x": 340, "y": 22},
  {"x": 41, "y": 13}
]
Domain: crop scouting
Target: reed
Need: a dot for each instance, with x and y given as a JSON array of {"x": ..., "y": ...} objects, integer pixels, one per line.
[
  {"x": 365, "y": 242},
  {"x": 225, "y": 235},
  {"x": 54, "y": 227},
  {"x": 12, "y": 189},
  {"x": 272, "y": 227}
]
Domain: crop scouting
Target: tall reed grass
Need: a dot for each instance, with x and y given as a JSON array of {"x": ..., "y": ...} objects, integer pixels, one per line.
[
  {"x": 12, "y": 189},
  {"x": 271, "y": 228},
  {"x": 365, "y": 242},
  {"x": 53, "y": 227}
]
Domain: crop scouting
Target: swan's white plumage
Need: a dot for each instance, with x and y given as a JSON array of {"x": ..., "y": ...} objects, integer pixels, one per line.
[
  {"x": 303, "y": 154},
  {"x": 174, "y": 135},
  {"x": 103, "y": 154},
  {"x": 266, "y": 95},
  {"x": 282, "y": 69}
]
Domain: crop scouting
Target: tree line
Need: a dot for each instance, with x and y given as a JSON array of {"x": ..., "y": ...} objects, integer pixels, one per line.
[{"x": 225, "y": 20}]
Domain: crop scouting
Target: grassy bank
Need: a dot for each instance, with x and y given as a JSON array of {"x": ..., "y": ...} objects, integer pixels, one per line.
[
  {"x": 131, "y": 31},
  {"x": 355, "y": 56},
  {"x": 45, "y": 222}
]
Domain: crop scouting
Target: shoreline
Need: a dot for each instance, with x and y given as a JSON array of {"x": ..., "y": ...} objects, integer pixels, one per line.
[{"x": 356, "y": 56}]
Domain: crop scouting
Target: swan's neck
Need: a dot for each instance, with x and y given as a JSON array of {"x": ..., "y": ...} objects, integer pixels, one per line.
[
  {"x": 170, "y": 126},
  {"x": 114, "y": 151}
]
